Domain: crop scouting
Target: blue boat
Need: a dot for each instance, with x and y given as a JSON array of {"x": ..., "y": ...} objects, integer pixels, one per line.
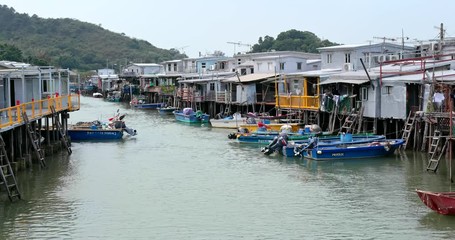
[
  {"x": 147, "y": 105},
  {"x": 87, "y": 134},
  {"x": 350, "y": 151},
  {"x": 96, "y": 130},
  {"x": 345, "y": 139},
  {"x": 167, "y": 110},
  {"x": 189, "y": 116}
]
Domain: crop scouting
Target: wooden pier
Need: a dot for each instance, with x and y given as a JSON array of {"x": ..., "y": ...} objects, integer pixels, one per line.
[{"x": 29, "y": 132}]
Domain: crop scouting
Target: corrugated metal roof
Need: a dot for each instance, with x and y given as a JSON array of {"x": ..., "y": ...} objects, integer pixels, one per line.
[
  {"x": 250, "y": 77},
  {"x": 316, "y": 73},
  {"x": 349, "y": 81},
  {"x": 447, "y": 76}
]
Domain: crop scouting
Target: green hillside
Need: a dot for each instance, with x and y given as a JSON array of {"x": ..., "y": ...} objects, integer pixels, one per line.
[{"x": 70, "y": 43}]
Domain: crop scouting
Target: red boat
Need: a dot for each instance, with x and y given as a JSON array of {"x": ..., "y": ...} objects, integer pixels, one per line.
[{"x": 441, "y": 202}]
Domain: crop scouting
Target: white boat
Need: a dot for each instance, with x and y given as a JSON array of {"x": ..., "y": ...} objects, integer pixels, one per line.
[
  {"x": 233, "y": 121},
  {"x": 97, "y": 95}
]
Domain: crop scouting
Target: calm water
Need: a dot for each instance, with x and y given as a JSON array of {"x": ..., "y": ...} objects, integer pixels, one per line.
[{"x": 176, "y": 181}]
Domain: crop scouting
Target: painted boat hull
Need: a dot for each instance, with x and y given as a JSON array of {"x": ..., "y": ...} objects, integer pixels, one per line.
[
  {"x": 191, "y": 118},
  {"x": 367, "y": 150},
  {"x": 253, "y": 127},
  {"x": 227, "y": 123},
  {"x": 95, "y": 134},
  {"x": 288, "y": 150},
  {"x": 440, "y": 202},
  {"x": 167, "y": 110},
  {"x": 268, "y": 138},
  {"x": 148, "y": 105}
]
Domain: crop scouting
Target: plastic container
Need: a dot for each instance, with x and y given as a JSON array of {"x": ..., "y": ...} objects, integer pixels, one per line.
[{"x": 346, "y": 137}]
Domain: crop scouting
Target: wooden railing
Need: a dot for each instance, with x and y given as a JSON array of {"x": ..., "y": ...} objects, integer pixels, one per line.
[
  {"x": 297, "y": 102},
  {"x": 36, "y": 109}
]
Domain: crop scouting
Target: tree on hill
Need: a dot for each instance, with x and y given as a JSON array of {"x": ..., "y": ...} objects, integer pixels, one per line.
[
  {"x": 10, "y": 53},
  {"x": 292, "y": 40},
  {"x": 70, "y": 43}
]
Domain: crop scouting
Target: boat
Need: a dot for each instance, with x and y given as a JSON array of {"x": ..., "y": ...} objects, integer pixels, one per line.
[
  {"x": 96, "y": 130},
  {"x": 97, "y": 95},
  {"x": 83, "y": 133},
  {"x": 264, "y": 135},
  {"x": 350, "y": 151},
  {"x": 189, "y": 116},
  {"x": 440, "y": 202},
  {"x": 233, "y": 121},
  {"x": 273, "y": 127},
  {"x": 141, "y": 103},
  {"x": 167, "y": 110},
  {"x": 114, "y": 96},
  {"x": 292, "y": 148}
]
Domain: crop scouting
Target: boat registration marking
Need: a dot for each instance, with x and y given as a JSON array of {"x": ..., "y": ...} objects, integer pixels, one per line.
[{"x": 337, "y": 154}]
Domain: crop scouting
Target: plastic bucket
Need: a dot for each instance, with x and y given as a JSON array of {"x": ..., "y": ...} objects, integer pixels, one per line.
[{"x": 346, "y": 137}]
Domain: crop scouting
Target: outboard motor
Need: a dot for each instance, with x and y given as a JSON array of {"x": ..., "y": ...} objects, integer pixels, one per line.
[
  {"x": 232, "y": 135},
  {"x": 276, "y": 145},
  {"x": 312, "y": 142},
  {"x": 130, "y": 131}
]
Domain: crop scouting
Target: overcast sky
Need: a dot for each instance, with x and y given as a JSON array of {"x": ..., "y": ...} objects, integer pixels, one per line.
[{"x": 205, "y": 26}]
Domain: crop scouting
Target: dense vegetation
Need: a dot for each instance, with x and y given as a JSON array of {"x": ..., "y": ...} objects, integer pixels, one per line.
[
  {"x": 70, "y": 43},
  {"x": 292, "y": 40}
]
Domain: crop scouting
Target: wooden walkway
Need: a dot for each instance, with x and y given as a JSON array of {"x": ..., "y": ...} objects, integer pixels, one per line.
[{"x": 12, "y": 117}]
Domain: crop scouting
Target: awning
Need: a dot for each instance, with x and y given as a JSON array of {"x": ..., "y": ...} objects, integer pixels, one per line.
[
  {"x": 358, "y": 81},
  {"x": 250, "y": 77}
]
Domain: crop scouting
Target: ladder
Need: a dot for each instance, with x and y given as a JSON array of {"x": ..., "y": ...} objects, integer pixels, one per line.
[
  {"x": 434, "y": 143},
  {"x": 63, "y": 136},
  {"x": 409, "y": 125},
  {"x": 436, "y": 157},
  {"x": 35, "y": 139},
  {"x": 313, "y": 117},
  {"x": 349, "y": 122},
  {"x": 7, "y": 175}
]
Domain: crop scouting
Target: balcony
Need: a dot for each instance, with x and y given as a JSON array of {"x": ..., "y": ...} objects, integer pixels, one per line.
[
  {"x": 297, "y": 102},
  {"x": 11, "y": 116}
]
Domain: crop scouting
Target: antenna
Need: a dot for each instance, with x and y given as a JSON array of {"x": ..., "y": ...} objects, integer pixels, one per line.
[
  {"x": 181, "y": 49},
  {"x": 239, "y": 44}
]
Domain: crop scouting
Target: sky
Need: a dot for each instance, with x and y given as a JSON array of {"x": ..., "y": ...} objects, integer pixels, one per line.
[{"x": 202, "y": 26}]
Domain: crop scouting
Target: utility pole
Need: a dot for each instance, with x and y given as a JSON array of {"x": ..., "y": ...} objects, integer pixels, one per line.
[{"x": 441, "y": 37}]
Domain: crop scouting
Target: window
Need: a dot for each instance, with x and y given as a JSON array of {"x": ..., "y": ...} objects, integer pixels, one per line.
[
  {"x": 203, "y": 65},
  {"x": 299, "y": 66},
  {"x": 259, "y": 67},
  {"x": 243, "y": 71},
  {"x": 364, "y": 94},
  {"x": 175, "y": 67},
  {"x": 222, "y": 65},
  {"x": 212, "y": 86},
  {"x": 282, "y": 66},
  {"x": 269, "y": 66},
  {"x": 295, "y": 86},
  {"x": 239, "y": 61},
  {"x": 169, "y": 67},
  {"x": 329, "y": 58},
  {"x": 347, "y": 57},
  {"x": 387, "y": 90},
  {"x": 251, "y": 70},
  {"x": 366, "y": 58}
]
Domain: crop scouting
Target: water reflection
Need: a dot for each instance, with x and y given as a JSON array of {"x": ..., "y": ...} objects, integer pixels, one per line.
[{"x": 180, "y": 181}]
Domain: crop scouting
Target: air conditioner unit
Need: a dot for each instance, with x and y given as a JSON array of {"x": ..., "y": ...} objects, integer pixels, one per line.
[
  {"x": 347, "y": 67},
  {"x": 381, "y": 58},
  {"x": 393, "y": 57},
  {"x": 434, "y": 46}
]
